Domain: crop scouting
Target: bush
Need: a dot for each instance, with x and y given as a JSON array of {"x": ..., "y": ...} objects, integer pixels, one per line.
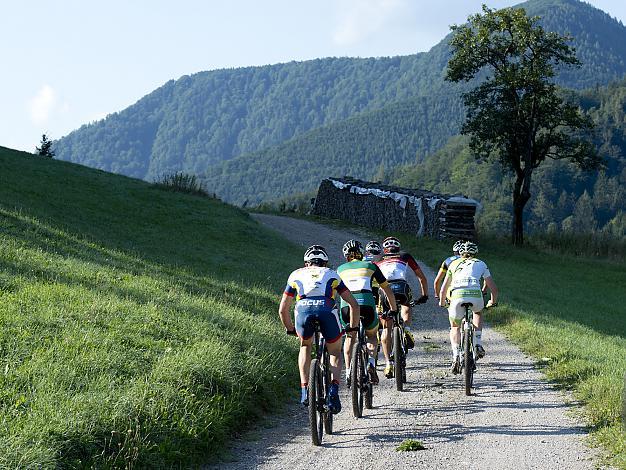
[{"x": 183, "y": 183}]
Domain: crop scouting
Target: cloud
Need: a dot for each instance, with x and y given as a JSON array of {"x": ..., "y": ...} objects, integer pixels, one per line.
[
  {"x": 359, "y": 19},
  {"x": 42, "y": 104}
]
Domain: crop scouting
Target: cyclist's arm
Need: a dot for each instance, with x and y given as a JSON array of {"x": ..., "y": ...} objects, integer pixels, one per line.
[
  {"x": 420, "y": 275},
  {"x": 443, "y": 290},
  {"x": 354, "y": 307},
  {"x": 284, "y": 311},
  {"x": 494, "y": 291},
  {"x": 437, "y": 284}
]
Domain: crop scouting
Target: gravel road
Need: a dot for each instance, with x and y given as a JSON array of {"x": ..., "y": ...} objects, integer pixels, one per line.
[{"x": 515, "y": 419}]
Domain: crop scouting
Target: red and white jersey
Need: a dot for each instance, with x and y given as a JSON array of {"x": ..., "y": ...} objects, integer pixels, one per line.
[{"x": 394, "y": 265}]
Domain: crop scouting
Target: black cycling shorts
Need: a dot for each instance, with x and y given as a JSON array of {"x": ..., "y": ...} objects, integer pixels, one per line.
[
  {"x": 402, "y": 292},
  {"x": 368, "y": 316}
]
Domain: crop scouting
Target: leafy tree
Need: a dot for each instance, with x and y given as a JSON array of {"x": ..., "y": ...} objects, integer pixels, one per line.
[
  {"x": 516, "y": 114},
  {"x": 45, "y": 149}
]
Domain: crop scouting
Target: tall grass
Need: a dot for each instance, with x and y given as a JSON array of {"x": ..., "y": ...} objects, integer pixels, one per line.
[
  {"x": 567, "y": 311},
  {"x": 182, "y": 183},
  {"x": 134, "y": 329}
]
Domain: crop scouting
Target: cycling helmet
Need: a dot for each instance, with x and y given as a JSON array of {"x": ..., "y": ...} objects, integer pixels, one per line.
[
  {"x": 354, "y": 247},
  {"x": 457, "y": 246},
  {"x": 315, "y": 254},
  {"x": 469, "y": 248},
  {"x": 373, "y": 247},
  {"x": 391, "y": 245}
]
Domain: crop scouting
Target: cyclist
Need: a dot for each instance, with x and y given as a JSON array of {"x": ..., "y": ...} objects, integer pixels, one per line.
[
  {"x": 445, "y": 265},
  {"x": 373, "y": 249},
  {"x": 358, "y": 274},
  {"x": 462, "y": 285},
  {"x": 315, "y": 286},
  {"x": 393, "y": 263}
]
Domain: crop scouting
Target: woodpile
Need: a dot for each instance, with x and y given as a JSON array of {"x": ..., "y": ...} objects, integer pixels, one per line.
[{"x": 396, "y": 209}]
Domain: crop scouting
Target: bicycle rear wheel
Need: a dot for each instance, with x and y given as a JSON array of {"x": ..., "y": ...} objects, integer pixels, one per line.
[
  {"x": 356, "y": 379},
  {"x": 468, "y": 361},
  {"x": 398, "y": 358},
  {"x": 316, "y": 403}
]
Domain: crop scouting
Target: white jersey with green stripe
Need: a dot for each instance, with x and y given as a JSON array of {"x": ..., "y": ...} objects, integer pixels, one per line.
[{"x": 466, "y": 274}]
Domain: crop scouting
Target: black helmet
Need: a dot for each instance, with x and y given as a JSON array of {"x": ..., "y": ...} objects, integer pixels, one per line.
[
  {"x": 373, "y": 248},
  {"x": 316, "y": 254},
  {"x": 352, "y": 246},
  {"x": 391, "y": 245}
]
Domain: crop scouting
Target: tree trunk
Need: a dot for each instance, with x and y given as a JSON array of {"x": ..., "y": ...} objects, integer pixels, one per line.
[{"x": 521, "y": 195}]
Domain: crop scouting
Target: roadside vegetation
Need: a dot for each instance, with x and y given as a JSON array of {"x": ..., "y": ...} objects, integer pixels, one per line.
[
  {"x": 135, "y": 327},
  {"x": 567, "y": 312}
]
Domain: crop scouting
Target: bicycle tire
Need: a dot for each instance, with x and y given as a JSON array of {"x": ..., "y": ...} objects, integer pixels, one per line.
[
  {"x": 468, "y": 367},
  {"x": 328, "y": 417},
  {"x": 315, "y": 396},
  {"x": 356, "y": 380},
  {"x": 397, "y": 358}
]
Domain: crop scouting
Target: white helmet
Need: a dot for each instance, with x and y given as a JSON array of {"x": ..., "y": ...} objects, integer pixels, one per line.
[
  {"x": 468, "y": 248},
  {"x": 315, "y": 253},
  {"x": 457, "y": 245},
  {"x": 391, "y": 245}
]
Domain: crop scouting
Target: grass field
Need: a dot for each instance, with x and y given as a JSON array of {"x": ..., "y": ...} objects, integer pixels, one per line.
[
  {"x": 570, "y": 314},
  {"x": 135, "y": 327}
]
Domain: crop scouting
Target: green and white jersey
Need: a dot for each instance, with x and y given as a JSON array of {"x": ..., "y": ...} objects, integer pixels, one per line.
[
  {"x": 466, "y": 275},
  {"x": 358, "y": 275}
]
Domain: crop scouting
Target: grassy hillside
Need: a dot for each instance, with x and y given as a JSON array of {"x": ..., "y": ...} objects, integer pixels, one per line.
[
  {"x": 566, "y": 312},
  {"x": 134, "y": 326}
]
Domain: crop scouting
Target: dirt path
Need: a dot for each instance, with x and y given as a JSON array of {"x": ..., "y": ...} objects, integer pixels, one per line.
[{"x": 515, "y": 419}]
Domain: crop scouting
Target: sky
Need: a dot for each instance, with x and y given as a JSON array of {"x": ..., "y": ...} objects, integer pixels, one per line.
[{"x": 65, "y": 63}]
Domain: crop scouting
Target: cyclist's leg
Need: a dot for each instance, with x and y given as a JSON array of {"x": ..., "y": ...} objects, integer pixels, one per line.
[
  {"x": 456, "y": 312},
  {"x": 305, "y": 330},
  {"x": 330, "y": 327},
  {"x": 347, "y": 346},
  {"x": 479, "y": 304}
]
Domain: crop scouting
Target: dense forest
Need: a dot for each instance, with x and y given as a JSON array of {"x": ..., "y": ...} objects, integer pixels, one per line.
[
  {"x": 376, "y": 141},
  {"x": 202, "y": 120},
  {"x": 565, "y": 199}
]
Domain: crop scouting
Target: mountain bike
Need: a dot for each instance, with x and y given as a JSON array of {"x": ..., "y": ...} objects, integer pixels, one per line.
[
  {"x": 362, "y": 388},
  {"x": 320, "y": 416},
  {"x": 468, "y": 351}
]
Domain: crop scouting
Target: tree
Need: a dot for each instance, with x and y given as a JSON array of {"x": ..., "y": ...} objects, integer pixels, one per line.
[
  {"x": 516, "y": 113},
  {"x": 45, "y": 150}
]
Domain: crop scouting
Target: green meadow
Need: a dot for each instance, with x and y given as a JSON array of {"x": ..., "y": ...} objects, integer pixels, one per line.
[
  {"x": 569, "y": 313},
  {"x": 138, "y": 327}
]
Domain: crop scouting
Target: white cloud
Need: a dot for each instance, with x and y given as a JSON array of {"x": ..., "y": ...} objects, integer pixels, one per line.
[
  {"x": 359, "y": 19},
  {"x": 42, "y": 104}
]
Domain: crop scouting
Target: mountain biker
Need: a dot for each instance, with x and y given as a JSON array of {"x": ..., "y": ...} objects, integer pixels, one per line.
[
  {"x": 373, "y": 249},
  {"x": 463, "y": 281},
  {"x": 393, "y": 263},
  {"x": 443, "y": 269},
  {"x": 358, "y": 274},
  {"x": 315, "y": 286}
]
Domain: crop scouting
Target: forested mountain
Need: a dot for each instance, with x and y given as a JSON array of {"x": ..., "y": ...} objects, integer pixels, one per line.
[
  {"x": 363, "y": 146},
  {"x": 564, "y": 198},
  {"x": 200, "y": 121}
]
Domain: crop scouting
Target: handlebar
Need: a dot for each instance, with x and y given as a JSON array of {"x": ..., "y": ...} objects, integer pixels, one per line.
[
  {"x": 290, "y": 332},
  {"x": 351, "y": 329}
]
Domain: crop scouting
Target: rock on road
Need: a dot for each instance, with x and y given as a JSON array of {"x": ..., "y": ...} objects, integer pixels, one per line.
[{"x": 515, "y": 419}]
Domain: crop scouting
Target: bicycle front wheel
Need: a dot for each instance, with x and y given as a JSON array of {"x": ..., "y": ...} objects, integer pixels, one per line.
[
  {"x": 356, "y": 380},
  {"x": 328, "y": 416},
  {"x": 468, "y": 361},
  {"x": 316, "y": 403},
  {"x": 398, "y": 358}
]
